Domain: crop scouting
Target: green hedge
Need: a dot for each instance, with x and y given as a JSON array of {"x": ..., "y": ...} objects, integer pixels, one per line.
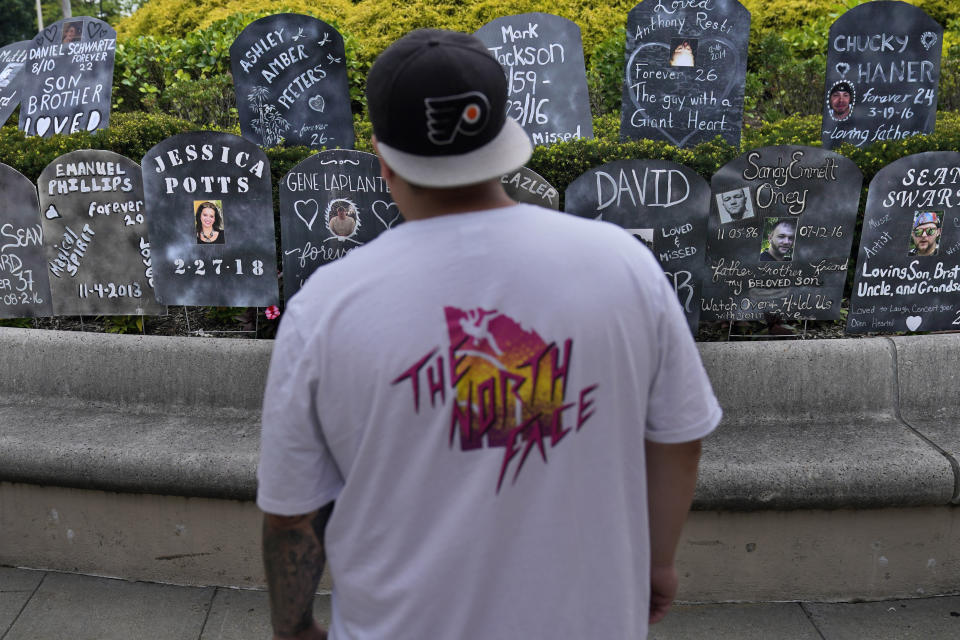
[{"x": 132, "y": 135}]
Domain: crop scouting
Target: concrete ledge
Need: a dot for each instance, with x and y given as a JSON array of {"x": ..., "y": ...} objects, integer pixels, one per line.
[
  {"x": 929, "y": 378},
  {"x": 815, "y": 424},
  {"x": 808, "y": 424}
]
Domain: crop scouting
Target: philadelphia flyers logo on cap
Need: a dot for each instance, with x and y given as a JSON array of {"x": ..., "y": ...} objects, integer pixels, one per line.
[{"x": 465, "y": 113}]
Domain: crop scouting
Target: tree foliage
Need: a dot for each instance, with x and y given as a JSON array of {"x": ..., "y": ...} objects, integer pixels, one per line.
[{"x": 19, "y": 21}]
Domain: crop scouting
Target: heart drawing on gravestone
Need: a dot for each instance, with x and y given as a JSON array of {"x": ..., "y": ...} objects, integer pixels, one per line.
[
  {"x": 50, "y": 33},
  {"x": 93, "y": 120},
  {"x": 913, "y": 322},
  {"x": 928, "y": 39},
  {"x": 43, "y": 123},
  {"x": 94, "y": 30},
  {"x": 386, "y": 208},
  {"x": 842, "y": 68},
  {"x": 51, "y": 213},
  {"x": 306, "y": 205},
  {"x": 316, "y": 103},
  {"x": 734, "y": 63}
]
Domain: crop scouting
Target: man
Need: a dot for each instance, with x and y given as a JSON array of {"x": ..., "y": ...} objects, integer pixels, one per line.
[
  {"x": 466, "y": 416},
  {"x": 840, "y": 101},
  {"x": 780, "y": 241},
  {"x": 734, "y": 206},
  {"x": 926, "y": 234}
]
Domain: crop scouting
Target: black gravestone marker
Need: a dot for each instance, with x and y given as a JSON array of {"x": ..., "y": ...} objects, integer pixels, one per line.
[
  {"x": 883, "y": 68},
  {"x": 210, "y": 213},
  {"x": 330, "y": 204},
  {"x": 781, "y": 225},
  {"x": 542, "y": 57},
  {"x": 525, "y": 185},
  {"x": 13, "y": 59},
  {"x": 69, "y": 77},
  {"x": 664, "y": 205},
  {"x": 685, "y": 71},
  {"x": 24, "y": 285},
  {"x": 290, "y": 75},
  {"x": 95, "y": 236},
  {"x": 908, "y": 266}
]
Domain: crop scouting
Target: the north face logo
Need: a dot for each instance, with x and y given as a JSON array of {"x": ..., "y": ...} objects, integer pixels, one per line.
[{"x": 466, "y": 113}]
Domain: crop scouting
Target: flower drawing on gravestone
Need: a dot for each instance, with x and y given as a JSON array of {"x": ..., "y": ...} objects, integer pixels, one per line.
[{"x": 268, "y": 124}]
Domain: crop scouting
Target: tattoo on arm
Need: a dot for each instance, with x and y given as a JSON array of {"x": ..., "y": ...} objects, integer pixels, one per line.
[{"x": 293, "y": 557}]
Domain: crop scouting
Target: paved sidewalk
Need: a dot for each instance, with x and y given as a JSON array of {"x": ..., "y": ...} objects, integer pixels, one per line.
[{"x": 39, "y": 605}]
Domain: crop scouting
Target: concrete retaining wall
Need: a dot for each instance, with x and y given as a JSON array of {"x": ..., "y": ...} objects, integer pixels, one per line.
[{"x": 135, "y": 456}]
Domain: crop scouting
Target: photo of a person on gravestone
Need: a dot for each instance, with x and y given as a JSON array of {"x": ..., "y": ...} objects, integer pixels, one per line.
[
  {"x": 684, "y": 52},
  {"x": 643, "y": 235},
  {"x": 734, "y": 206},
  {"x": 925, "y": 236},
  {"x": 342, "y": 217},
  {"x": 841, "y": 101},
  {"x": 777, "y": 244},
  {"x": 72, "y": 32},
  {"x": 209, "y": 223}
]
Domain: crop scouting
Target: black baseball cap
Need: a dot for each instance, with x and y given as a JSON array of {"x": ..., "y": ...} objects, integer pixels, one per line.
[{"x": 437, "y": 101}]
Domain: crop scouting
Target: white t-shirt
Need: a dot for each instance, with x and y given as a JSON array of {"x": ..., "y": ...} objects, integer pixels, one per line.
[{"x": 474, "y": 391}]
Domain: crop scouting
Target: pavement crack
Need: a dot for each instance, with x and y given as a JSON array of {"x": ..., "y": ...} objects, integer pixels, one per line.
[{"x": 177, "y": 556}]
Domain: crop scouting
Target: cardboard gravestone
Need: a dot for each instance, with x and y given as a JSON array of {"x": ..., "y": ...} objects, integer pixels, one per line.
[
  {"x": 13, "y": 59},
  {"x": 527, "y": 186},
  {"x": 542, "y": 56},
  {"x": 290, "y": 75},
  {"x": 69, "y": 78},
  {"x": 95, "y": 236},
  {"x": 210, "y": 213},
  {"x": 664, "y": 206},
  {"x": 908, "y": 265},
  {"x": 883, "y": 69},
  {"x": 330, "y": 204},
  {"x": 686, "y": 65},
  {"x": 781, "y": 226},
  {"x": 24, "y": 285}
]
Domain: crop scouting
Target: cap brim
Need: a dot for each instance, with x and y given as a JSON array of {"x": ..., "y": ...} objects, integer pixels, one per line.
[{"x": 507, "y": 152}]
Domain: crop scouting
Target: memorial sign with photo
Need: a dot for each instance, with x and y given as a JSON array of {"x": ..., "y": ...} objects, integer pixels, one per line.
[
  {"x": 330, "y": 204},
  {"x": 527, "y": 186},
  {"x": 210, "y": 213},
  {"x": 664, "y": 205},
  {"x": 13, "y": 59},
  {"x": 908, "y": 266},
  {"x": 542, "y": 57},
  {"x": 24, "y": 284},
  {"x": 290, "y": 76},
  {"x": 95, "y": 236},
  {"x": 68, "y": 80},
  {"x": 883, "y": 69},
  {"x": 782, "y": 221},
  {"x": 686, "y": 66}
]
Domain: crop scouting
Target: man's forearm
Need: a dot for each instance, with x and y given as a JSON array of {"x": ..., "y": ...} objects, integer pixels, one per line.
[
  {"x": 293, "y": 557},
  {"x": 671, "y": 479}
]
